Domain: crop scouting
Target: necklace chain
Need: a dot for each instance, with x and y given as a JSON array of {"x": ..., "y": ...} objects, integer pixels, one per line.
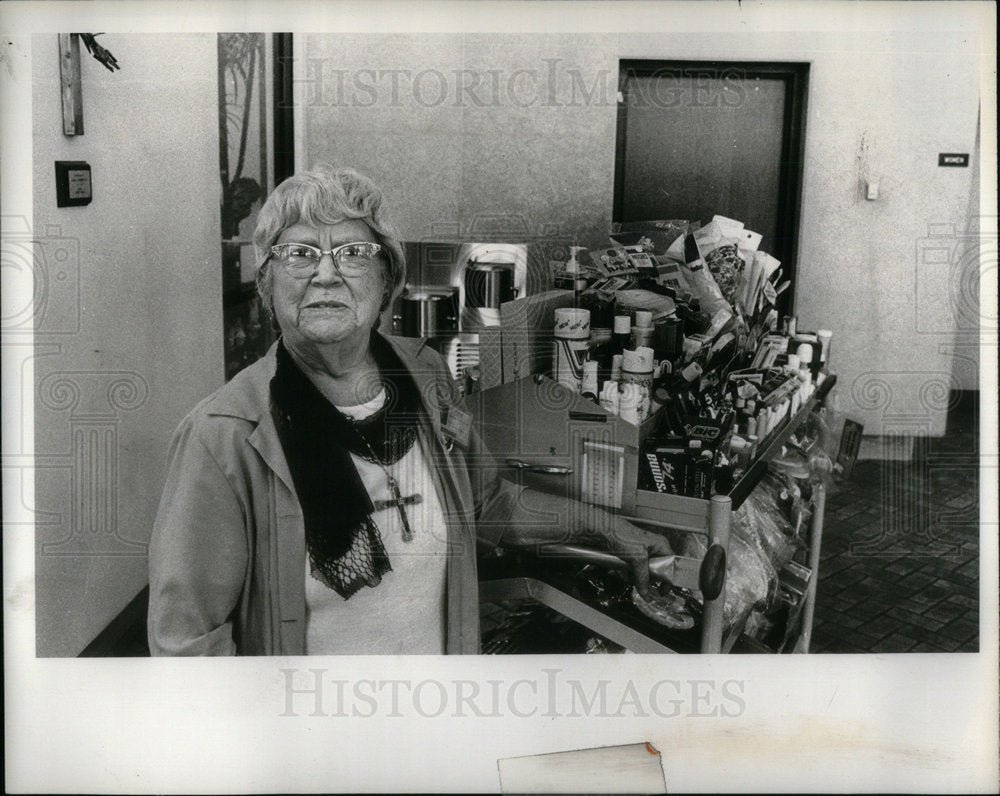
[
  {"x": 382, "y": 460},
  {"x": 391, "y": 482}
]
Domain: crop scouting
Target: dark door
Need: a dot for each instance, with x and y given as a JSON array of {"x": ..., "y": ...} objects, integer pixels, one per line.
[{"x": 696, "y": 139}]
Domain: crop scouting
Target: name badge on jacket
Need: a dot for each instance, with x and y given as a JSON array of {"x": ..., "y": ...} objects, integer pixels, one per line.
[{"x": 456, "y": 424}]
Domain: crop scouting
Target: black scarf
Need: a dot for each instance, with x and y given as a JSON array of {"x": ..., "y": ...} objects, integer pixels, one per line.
[{"x": 344, "y": 544}]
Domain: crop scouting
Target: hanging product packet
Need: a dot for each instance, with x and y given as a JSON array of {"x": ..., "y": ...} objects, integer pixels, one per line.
[
  {"x": 718, "y": 247},
  {"x": 726, "y": 265},
  {"x": 686, "y": 253},
  {"x": 613, "y": 262},
  {"x": 759, "y": 273},
  {"x": 639, "y": 258},
  {"x": 745, "y": 239}
]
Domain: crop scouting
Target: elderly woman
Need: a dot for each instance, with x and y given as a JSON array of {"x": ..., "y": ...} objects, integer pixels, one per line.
[{"x": 329, "y": 498}]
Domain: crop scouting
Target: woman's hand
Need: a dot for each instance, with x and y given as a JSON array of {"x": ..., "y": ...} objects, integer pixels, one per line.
[{"x": 542, "y": 518}]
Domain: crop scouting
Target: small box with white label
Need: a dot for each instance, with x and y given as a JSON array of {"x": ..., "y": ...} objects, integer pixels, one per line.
[{"x": 73, "y": 186}]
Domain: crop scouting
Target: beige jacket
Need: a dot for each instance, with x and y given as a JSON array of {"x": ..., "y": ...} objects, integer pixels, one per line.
[{"x": 227, "y": 553}]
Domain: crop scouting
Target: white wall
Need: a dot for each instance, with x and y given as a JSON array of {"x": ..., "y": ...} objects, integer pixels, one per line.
[
  {"x": 882, "y": 103},
  {"x": 129, "y": 335},
  {"x": 963, "y": 285}
]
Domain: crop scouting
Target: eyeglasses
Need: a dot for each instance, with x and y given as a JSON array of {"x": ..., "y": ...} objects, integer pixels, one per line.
[{"x": 350, "y": 259}]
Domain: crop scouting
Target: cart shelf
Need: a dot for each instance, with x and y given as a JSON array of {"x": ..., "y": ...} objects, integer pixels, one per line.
[{"x": 709, "y": 517}]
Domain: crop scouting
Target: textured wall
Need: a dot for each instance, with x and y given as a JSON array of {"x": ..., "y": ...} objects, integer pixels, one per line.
[
  {"x": 467, "y": 145},
  {"x": 972, "y": 252},
  {"x": 467, "y": 135},
  {"x": 129, "y": 332}
]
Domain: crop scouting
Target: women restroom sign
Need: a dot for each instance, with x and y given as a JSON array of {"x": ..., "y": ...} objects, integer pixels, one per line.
[{"x": 959, "y": 159}]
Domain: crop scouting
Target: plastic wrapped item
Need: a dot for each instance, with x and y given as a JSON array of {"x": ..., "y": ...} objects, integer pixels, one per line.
[
  {"x": 632, "y": 300},
  {"x": 748, "y": 576},
  {"x": 666, "y": 609},
  {"x": 518, "y": 628},
  {"x": 761, "y": 542},
  {"x": 607, "y": 588},
  {"x": 823, "y": 450},
  {"x": 596, "y": 645},
  {"x": 655, "y": 236},
  {"x": 810, "y": 452},
  {"x": 704, "y": 285},
  {"x": 767, "y": 524},
  {"x": 795, "y": 500}
]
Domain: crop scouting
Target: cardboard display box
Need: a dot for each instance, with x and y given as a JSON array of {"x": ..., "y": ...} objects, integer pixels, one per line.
[
  {"x": 522, "y": 344},
  {"x": 534, "y": 425}
]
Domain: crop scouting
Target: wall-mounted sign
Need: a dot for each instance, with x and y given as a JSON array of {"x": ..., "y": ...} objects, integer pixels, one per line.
[
  {"x": 73, "y": 183},
  {"x": 953, "y": 159}
]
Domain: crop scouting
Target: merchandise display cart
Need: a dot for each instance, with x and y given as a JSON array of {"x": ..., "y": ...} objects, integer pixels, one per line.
[{"x": 538, "y": 578}]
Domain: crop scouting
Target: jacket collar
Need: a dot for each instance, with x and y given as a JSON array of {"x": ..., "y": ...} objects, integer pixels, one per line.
[{"x": 248, "y": 396}]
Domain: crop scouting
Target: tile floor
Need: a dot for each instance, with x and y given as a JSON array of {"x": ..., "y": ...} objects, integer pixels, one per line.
[{"x": 899, "y": 570}]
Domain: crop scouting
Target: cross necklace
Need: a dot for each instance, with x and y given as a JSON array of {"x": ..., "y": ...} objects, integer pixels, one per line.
[{"x": 398, "y": 499}]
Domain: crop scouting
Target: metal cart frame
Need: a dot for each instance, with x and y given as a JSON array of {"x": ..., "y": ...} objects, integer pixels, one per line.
[{"x": 710, "y": 518}]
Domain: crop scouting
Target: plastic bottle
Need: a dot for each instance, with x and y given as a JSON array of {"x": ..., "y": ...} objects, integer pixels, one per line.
[
  {"x": 630, "y": 403},
  {"x": 668, "y": 340},
  {"x": 574, "y": 271},
  {"x": 616, "y": 367},
  {"x": 572, "y": 333},
  {"x": 620, "y": 339},
  {"x": 686, "y": 378},
  {"x": 805, "y": 353},
  {"x": 642, "y": 332},
  {"x": 825, "y": 336},
  {"x": 637, "y": 368},
  {"x": 588, "y": 386}
]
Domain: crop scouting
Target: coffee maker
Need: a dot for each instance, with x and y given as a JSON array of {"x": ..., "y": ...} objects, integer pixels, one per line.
[{"x": 453, "y": 291}]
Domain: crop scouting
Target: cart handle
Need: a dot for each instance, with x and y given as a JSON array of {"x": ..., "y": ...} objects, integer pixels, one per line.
[{"x": 712, "y": 575}]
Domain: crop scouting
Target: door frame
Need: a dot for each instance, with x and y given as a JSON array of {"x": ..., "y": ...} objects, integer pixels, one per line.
[
  {"x": 283, "y": 119},
  {"x": 796, "y": 78}
]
